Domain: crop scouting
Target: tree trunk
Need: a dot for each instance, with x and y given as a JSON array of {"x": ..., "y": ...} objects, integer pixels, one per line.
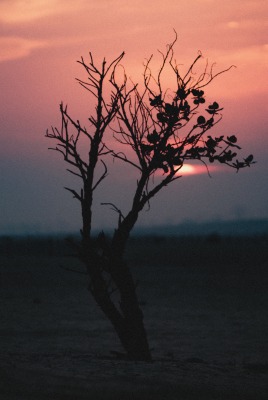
[
  {"x": 127, "y": 319},
  {"x": 134, "y": 338}
]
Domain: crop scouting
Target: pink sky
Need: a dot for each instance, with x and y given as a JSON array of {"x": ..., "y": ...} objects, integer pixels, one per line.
[{"x": 40, "y": 40}]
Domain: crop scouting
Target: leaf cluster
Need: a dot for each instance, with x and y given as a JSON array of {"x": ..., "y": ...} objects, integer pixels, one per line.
[{"x": 166, "y": 128}]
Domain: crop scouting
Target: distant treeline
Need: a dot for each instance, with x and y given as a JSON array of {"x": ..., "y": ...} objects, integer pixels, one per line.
[
  {"x": 212, "y": 249},
  {"x": 251, "y": 227},
  {"x": 33, "y": 245}
]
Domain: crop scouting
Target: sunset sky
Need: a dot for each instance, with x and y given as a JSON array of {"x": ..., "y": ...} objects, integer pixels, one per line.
[{"x": 40, "y": 42}]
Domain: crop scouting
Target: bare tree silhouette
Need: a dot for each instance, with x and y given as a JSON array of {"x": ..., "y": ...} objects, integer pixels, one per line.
[{"x": 161, "y": 128}]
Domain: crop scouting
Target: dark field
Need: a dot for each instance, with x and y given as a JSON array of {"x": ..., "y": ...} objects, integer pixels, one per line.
[{"x": 205, "y": 303}]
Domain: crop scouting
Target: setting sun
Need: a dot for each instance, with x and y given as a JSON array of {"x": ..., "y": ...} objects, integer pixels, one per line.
[{"x": 190, "y": 169}]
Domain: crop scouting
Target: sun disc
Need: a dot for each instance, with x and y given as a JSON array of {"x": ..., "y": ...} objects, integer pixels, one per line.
[{"x": 188, "y": 169}]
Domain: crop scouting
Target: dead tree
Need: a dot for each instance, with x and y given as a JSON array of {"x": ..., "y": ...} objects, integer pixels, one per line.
[{"x": 163, "y": 129}]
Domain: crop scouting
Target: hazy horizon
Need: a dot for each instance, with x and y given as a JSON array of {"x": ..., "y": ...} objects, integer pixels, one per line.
[{"x": 238, "y": 226}]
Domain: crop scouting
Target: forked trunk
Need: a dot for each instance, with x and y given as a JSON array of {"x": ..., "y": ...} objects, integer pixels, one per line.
[
  {"x": 127, "y": 318},
  {"x": 133, "y": 335}
]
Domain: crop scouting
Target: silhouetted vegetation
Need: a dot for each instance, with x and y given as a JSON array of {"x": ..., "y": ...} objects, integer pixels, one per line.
[
  {"x": 214, "y": 250},
  {"x": 161, "y": 130}
]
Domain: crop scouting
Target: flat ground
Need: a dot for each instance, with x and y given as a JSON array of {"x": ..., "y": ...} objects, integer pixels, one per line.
[{"x": 205, "y": 304}]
